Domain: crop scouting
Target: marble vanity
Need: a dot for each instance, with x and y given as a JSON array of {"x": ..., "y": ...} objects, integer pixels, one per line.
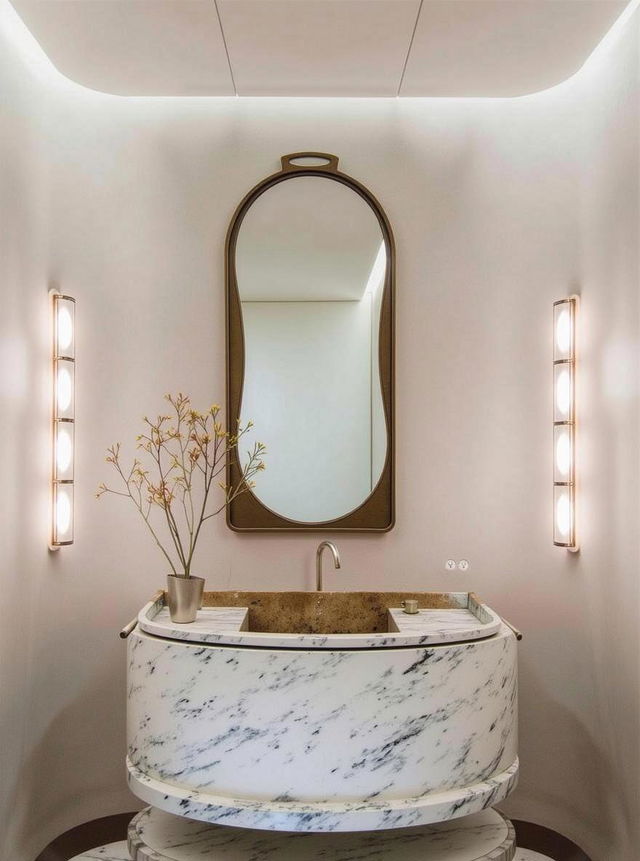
[{"x": 323, "y": 712}]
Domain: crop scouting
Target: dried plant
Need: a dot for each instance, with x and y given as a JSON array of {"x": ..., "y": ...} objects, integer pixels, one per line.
[{"x": 187, "y": 451}]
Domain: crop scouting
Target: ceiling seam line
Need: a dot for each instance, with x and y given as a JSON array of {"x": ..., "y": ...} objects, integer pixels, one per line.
[
  {"x": 406, "y": 59},
  {"x": 226, "y": 49}
]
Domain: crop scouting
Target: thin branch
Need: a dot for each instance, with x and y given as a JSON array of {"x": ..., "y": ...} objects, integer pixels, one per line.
[{"x": 197, "y": 445}]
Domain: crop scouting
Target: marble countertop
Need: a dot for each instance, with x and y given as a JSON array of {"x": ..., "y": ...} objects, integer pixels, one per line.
[{"x": 232, "y": 626}]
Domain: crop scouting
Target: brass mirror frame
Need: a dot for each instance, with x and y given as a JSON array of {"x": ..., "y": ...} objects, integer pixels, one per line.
[{"x": 246, "y": 513}]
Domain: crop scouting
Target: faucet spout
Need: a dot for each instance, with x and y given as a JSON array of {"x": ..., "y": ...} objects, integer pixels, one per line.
[{"x": 336, "y": 561}]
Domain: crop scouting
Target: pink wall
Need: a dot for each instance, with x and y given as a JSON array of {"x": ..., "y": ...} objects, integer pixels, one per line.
[{"x": 498, "y": 207}]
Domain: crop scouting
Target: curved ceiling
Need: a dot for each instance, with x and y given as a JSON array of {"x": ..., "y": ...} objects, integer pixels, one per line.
[{"x": 318, "y": 47}]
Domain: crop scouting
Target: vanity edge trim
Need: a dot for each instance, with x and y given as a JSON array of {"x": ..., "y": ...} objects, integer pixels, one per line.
[
  {"x": 234, "y": 631},
  {"x": 315, "y": 642},
  {"x": 327, "y": 816}
]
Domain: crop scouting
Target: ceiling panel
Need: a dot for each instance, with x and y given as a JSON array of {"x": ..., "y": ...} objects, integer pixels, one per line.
[
  {"x": 133, "y": 47},
  {"x": 318, "y": 47},
  {"x": 502, "y": 47}
]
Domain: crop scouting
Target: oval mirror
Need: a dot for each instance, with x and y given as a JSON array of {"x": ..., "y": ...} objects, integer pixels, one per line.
[{"x": 309, "y": 305}]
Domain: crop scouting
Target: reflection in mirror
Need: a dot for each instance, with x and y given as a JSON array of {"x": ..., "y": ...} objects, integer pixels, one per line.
[{"x": 310, "y": 265}]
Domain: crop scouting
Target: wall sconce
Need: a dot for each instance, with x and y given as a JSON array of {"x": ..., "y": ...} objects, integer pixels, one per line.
[
  {"x": 63, "y": 424},
  {"x": 564, "y": 418}
]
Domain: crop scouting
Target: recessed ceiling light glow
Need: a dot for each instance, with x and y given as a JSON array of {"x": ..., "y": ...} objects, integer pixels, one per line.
[{"x": 31, "y": 52}]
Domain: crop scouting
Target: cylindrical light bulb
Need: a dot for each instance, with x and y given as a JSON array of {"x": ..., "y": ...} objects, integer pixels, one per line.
[
  {"x": 64, "y": 334},
  {"x": 64, "y": 376},
  {"x": 563, "y": 453},
  {"x": 563, "y": 332},
  {"x": 65, "y": 328},
  {"x": 563, "y": 392},
  {"x": 64, "y": 451},
  {"x": 64, "y": 388},
  {"x": 63, "y": 454},
  {"x": 564, "y": 514},
  {"x": 62, "y": 514}
]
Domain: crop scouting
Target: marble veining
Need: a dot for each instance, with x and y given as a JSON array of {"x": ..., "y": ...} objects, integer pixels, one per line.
[
  {"x": 119, "y": 852},
  {"x": 324, "y": 817},
  {"x": 210, "y": 624},
  {"x": 322, "y": 739},
  {"x": 442, "y": 626},
  {"x": 232, "y": 626},
  {"x": 158, "y": 836}
]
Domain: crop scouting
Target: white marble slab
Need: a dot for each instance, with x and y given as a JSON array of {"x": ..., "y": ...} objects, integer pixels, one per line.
[
  {"x": 158, "y": 836},
  {"x": 322, "y": 740},
  {"x": 324, "y": 817},
  {"x": 228, "y": 625},
  {"x": 443, "y": 626},
  {"x": 119, "y": 852},
  {"x": 211, "y": 624}
]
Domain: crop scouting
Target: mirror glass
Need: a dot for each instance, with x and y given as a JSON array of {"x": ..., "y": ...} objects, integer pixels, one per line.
[{"x": 310, "y": 266}]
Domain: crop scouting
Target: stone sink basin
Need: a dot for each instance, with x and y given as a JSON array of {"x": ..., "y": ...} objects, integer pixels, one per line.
[
  {"x": 325, "y": 612},
  {"x": 321, "y": 712}
]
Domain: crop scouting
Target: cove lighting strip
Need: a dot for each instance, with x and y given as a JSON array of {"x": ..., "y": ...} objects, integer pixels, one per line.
[
  {"x": 63, "y": 424},
  {"x": 564, "y": 423}
]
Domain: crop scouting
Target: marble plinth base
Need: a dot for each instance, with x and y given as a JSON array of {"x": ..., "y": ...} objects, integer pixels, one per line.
[
  {"x": 119, "y": 852},
  {"x": 158, "y": 836}
]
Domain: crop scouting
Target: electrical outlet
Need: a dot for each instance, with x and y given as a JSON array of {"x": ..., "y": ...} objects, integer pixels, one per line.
[
  {"x": 450, "y": 565},
  {"x": 463, "y": 565}
]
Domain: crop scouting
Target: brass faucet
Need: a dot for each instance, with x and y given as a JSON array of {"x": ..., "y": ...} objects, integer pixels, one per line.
[{"x": 336, "y": 561}]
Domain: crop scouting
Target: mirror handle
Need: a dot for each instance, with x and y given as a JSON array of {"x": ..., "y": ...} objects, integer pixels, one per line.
[{"x": 288, "y": 165}]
